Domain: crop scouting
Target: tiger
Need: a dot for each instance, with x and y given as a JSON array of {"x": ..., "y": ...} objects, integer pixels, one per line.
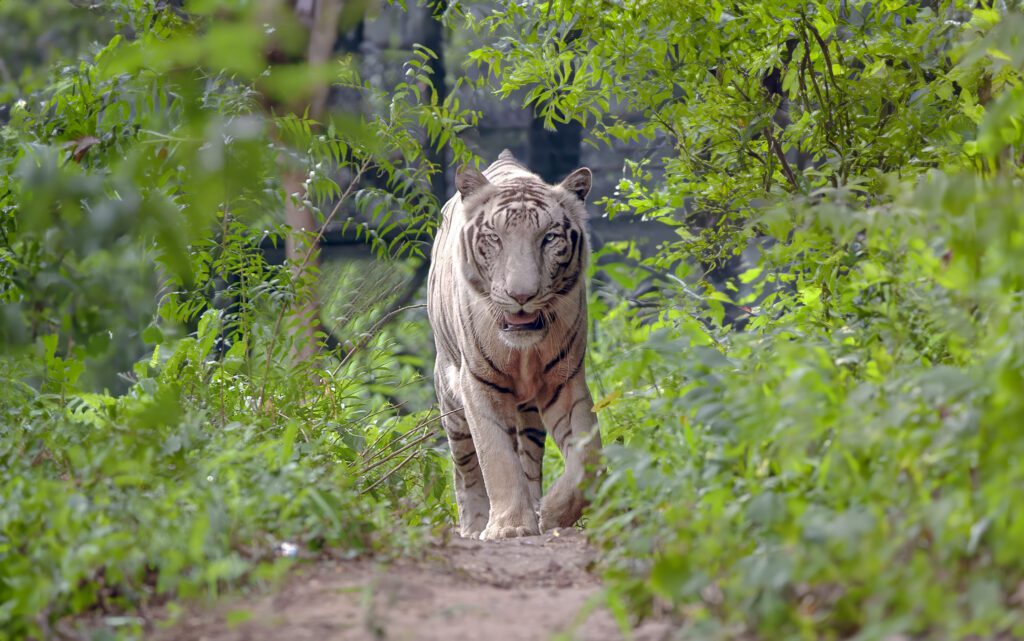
[{"x": 507, "y": 303}]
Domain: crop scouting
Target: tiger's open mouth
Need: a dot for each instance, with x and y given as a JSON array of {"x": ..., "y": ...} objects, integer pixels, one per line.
[{"x": 522, "y": 322}]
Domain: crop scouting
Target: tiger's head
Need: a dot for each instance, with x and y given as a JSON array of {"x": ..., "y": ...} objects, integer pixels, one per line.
[{"x": 524, "y": 250}]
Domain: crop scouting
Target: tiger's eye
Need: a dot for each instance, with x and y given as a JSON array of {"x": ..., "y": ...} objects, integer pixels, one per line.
[{"x": 550, "y": 236}]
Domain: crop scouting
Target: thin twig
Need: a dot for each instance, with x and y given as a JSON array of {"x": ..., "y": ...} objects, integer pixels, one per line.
[
  {"x": 824, "y": 50},
  {"x": 369, "y": 334},
  {"x": 332, "y": 342},
  {"x": 372, "y": 447},
  {"x": 410, "y": 444},
  {"x": 773, "y": 144},
  {"x": 826, "y": 105},
  {"x": 390, "y": 473},
  {"x": 419, "y": 439},
  {"x": 842, "y": 117},
  {"x": 387, "y": 407}
]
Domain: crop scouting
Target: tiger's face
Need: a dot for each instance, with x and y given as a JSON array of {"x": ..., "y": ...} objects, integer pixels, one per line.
[{"x": 524, "y": 250}]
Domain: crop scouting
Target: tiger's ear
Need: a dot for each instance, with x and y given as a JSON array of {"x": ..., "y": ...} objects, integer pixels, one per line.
[
  {"x": 469, "y": 181},
  {"x": 578, "y": 182}
]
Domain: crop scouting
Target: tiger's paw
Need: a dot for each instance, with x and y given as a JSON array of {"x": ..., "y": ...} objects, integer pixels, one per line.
[
  {"x": 507, "y": 532},
  {"x": 471, "y": 529},
  {"x": 510, "y": 528},
  {"x": 562, "y": 507}
]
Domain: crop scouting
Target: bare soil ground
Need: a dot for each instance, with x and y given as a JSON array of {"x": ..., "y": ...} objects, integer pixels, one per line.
[{"x": 527, "y": 589}]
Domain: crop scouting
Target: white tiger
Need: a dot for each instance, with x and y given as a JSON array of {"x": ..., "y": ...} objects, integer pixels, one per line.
[{"x": 507, "y": 302}]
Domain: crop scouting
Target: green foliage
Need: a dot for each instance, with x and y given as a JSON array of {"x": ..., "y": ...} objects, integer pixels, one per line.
[
  {"x": 179, "y": 487},
  {"x": 825, "y": 442},
  {"x": 158, "y": 438},
  {"x": 821, "y": 443},
  {"x": 35, "y": 35},
  {"x": 844, "y": 466}
]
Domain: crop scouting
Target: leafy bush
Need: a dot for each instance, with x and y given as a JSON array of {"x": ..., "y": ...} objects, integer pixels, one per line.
[
  {"x": 158, "y": 437},
  {"x": 845, "y": 465},
  {"x": 811, "y": 399},
  {"x": 814, "y": 416}
]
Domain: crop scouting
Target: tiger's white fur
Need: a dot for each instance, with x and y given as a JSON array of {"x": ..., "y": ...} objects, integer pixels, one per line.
[{"x": 507, "y": 302}]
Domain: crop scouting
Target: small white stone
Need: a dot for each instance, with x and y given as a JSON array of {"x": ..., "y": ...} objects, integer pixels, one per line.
[{"x": 287, "y": 549}]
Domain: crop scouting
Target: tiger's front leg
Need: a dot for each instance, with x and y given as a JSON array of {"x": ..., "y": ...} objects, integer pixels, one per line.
[
  {"x": 531, "y": 450},
  {"x": 491, "y": 415},
  {"x": 470, "y": 495},
  {"x": 571, "y": 422}
]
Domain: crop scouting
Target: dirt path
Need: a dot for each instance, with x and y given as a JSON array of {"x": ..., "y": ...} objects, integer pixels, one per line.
[{"x": 527, "y": 589}]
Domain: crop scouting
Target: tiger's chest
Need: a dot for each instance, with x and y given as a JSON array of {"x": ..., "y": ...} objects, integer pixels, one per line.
[
  {"x": 527, "y": 377},
  {"x": 525, "y": 373}
]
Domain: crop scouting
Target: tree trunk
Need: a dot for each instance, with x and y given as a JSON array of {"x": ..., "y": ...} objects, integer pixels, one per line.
[
  {"x": 302, "y": 252},
  {"x": 301, "y": 249}
]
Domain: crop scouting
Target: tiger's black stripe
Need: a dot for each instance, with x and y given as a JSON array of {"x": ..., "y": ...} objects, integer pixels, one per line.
[
  {"x": 579, "y": 366},
  {"x": 554, "y": 397},
  {"x": 575, "y": 405},
  {"x": 561, "y": 386},
  {"x": 469, "y": 328},
  {"x": 566, "y": 418},
  {"x": 494, "y": 386},
  {"x": 569, "y": 344},
  {"x": 558, "y": 423},
  {"x": 463, "y": 460},
  {"x": 569, "y": 284},
  {"x": 535, "y": 436}
]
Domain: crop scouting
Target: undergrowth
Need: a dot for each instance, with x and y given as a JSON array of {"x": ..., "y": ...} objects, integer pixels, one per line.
[
  {"x": 160, "y": 437},
  {"x": 812, "y": 400}
]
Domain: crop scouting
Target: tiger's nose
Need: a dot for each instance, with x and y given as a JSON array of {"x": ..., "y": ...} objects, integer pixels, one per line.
[{"x": 521, "y": 297}]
